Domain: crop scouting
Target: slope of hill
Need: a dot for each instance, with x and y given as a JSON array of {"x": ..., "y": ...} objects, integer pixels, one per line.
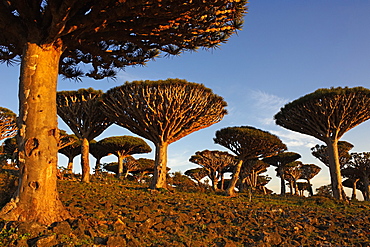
[{"x": 122, "y": 213}]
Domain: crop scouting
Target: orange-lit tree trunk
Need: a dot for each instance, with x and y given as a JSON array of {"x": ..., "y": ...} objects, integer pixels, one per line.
[
  {"x": 230, "y": 189},
  {"x": 37, "y": 198},
  {"x": 85, "y": 163},
  {"x": 334, "y": 167},
  {"x": 160, "y": 169}
]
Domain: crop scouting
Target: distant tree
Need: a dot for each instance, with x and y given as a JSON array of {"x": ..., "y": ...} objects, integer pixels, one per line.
[
  {"x": 280, "y": 161},
  {"x": 327, "y": 114},
  {"x": 250, "y": 172},
  {"x": 81, "y": 111},
  {"x": 247, "y": 143},
  {"x": 321, "y": 152},
  {"x": 359, "y": 166},
  {"x": 8, "y": 127},
  {"x": 144, "y": 167},
  {"x": 10, "y": 148},
  {"x": 98, "y": 150},
  {"x": 163, "y": 112},
  {"x": 293, "y": 171},
  {"x": 197, "y": 174},
  {"x": 71, "y": 151},
  {"x": 182, "y": 182},
  {"x": 324, "y": 190},
  {"x": 58, "y": 36},
  {"x": 309, "y": 171},
  {"x": 302, "y": 186},
  {"x": 213, "y": 162},
  {"x": 124, "y": 146}
]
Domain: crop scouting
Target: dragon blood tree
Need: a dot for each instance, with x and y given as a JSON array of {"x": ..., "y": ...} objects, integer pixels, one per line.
[
  {"x": 327, "y": 114},
  {"x": 51, "y": 37},
  {"x": 280, "y": 161},
  {"x": 8, "y": 127},
  {"x": 123, "y": 147},
  {"x": 247, "y": 143},
  {"x": 163, "y": 112},
  {"x": 81, "y": 110},
  {"x": 213, "y": 162}
]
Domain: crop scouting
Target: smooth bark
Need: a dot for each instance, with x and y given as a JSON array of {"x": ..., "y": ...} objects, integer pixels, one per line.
[
  {"x": 160, "y": 169},
  {"x": 230, "y": 191},
  {"x": 334, "y": 167},
  {"x": 85, "y": 163},
  {"x": 37, "y": 198}
]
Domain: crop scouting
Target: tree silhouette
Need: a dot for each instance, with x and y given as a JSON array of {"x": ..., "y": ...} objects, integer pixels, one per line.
[
  {"x": 327, "y": 114},
  {"x": 163, "y": 112},
  {"x": 247, "y": 143},
  {"x": 309, "y": 171},
  {"x": 359, "y": 166},
  {"x": 71, "y": 151},
  {"x": 213, "y": 162},
  {"x": 98, "y": 151},
  {"x": 8, "y": 126},
  {"x": 280, "y": 160},
  {"x": 321, "y": 152},
  {"x": 124, "y": 146},
  {"x": 292, "y": 173},
  {"x": 197, "y": 174},
  {"x": 144, "y": 166},
  {"x": 81, "y": 111},
  {"x": 10, "y": 148},
  {"x": 249, "y": 173},
  {"x": 51, "y": 37}
]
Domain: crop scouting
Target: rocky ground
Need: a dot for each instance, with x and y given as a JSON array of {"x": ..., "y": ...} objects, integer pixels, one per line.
[{"x": 108, "y": 212}]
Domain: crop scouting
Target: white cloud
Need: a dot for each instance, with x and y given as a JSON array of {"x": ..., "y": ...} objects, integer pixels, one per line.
[
  {"x": 265, "y": 106},
  {"x": 295, "y": 139}
]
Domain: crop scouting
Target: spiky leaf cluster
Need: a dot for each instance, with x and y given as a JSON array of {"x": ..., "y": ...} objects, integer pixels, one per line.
[
  {"x": 321, "y": 152},
  {"x": 8, "y": 127},
  {"x": 249, "y": 143},
  {"x": 164, "y": 110},
  {"x": 124, "y": 145},
  {"x": 113, "y": 34},
  {"x": 81, "y": 111},
  {"x": 213, "y": 160},
  {"x": 326, "y": 113}
]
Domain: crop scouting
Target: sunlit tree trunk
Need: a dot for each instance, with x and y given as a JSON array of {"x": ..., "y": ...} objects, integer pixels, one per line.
[
  {"x": 235, "y": 177},
  {"x": 160, "y": 169},
  {"x": 37, "y": 198},
  {"x": 70, "y": 165},
  {"x": 354, "y": 188},
  {"x": 85, "y": 163},
  {"x": 334, "y": 167}
]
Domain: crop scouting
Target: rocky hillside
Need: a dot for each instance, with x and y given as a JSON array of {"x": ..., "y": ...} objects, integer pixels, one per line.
[{"x": 121, "y": 213}]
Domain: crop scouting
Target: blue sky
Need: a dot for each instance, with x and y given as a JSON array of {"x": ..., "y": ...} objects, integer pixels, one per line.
[{"x": 287, "y": 49}]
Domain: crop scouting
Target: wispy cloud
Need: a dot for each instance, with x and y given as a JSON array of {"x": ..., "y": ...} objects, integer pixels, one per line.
[
  {"x": 295, "y": 139},
  {"x": 265, "y": 106}
]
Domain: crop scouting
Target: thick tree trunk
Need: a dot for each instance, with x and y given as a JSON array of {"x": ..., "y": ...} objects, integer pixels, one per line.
[
  {"x": 282, "y": 180},
  {"x": 214, "y": 180},
  {"x": 354, "y": 188},
  {"x": 37, "y": 198},
  {"x": 160, "y": 169},
  {"x": 366, "y": 183},
  {"x": 85, "y": 163},
  {"x": 120, "y": 166},
  {"x": 334, "y": 167},
  {"x": 70, "y": 165},
  {"x": 309, "y": 187},
  {"x": 230, "y": 191},
  {"x": 97, "y": 169}
]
